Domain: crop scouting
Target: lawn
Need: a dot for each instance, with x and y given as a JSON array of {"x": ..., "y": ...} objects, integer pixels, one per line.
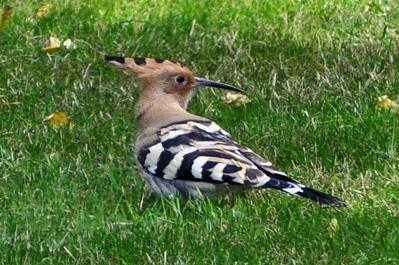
[{"x": 313, "y": 71}]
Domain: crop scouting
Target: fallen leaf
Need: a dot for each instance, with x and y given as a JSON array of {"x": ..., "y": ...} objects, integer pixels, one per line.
[
  {"x": 333, "y": 227},
  {"x": 43, "y": 10},
  {"x": 52, "y": 44},
  {"x": 68, "y": 44},
  {"x": 384, "y": 102},
  {"x": 235, "y": 99},
  {"x": 59, "y": 119},
  {"x": 6, "y": 13}
]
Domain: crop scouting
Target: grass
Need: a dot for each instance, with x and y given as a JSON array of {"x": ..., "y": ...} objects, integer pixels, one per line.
[{"x": 313, "y": 70}]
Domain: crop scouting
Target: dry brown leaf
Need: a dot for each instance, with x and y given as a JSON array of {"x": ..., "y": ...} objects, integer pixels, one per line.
[
  {"x": 235, "y": 99},
  {"x": 59, "y": 119},
  {"x": 52, "y": 44},
  {"x": 385, "y": 102},
  {"x": 6, "y": 13},
  {"x": 43, "y": 10}
]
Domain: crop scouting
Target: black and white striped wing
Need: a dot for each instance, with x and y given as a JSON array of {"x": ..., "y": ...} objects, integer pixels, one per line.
[{"x": 202, "y": 151}]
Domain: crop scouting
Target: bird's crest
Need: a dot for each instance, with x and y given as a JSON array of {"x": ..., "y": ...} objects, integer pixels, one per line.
[{"x": 145, "y": 67}]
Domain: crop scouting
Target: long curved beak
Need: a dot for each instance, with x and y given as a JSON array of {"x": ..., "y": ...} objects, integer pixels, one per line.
[{"x": 210, "y": 83}]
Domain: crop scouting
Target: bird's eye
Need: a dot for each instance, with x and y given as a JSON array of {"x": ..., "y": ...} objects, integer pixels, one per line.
[{"x": 180, "y": 79}]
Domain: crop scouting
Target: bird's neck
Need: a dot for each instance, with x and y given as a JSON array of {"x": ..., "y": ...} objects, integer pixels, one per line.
[{"x": 158, "y": 111}]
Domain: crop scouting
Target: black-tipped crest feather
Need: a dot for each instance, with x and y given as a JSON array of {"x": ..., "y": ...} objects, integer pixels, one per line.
[{"x": 110, "y": 58}]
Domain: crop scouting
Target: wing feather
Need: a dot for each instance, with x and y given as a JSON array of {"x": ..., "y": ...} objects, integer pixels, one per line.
[{"x": 201, "y": 151}]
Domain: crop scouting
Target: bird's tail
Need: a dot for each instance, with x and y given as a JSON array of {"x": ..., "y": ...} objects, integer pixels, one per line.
[
  {"x": 286, "y": 184},
  {"x": 280, "y": 181},
  {"x": 309, "y": 193},
  {"x": 320, "y": 197}
]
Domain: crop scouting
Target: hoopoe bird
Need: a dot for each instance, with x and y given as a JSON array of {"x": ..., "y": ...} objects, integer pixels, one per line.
[{"x": 182, "y": 154}]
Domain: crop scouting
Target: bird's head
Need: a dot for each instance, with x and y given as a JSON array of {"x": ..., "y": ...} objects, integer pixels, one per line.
[{"x": 164, "y": 77}]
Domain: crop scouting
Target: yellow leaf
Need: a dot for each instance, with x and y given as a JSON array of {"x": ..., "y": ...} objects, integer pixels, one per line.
[
  {"x": 6, "y": 13},
  {"x": 384, "y": 102},
  {"x": 235, "y": 99},
  {"x": 52, "y": 44},
  {"x": 333, "y": 227},
  {"x": 59, "y": 119},
  {"x": 43, "y": 10}
]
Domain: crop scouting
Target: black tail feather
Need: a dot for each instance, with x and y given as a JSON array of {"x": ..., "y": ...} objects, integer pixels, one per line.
[
  {"x": 280, "y": 181},
  {"x": 295, "y": 188},
  {"x": 321, "y": 197}
]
